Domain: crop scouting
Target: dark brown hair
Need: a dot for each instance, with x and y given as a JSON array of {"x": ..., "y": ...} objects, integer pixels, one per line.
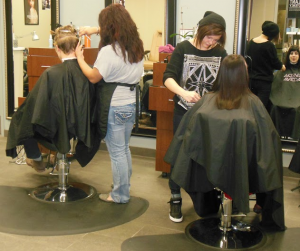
[
  {"x": 117, "y": 26},
  {"x": 211, "y": 29},
  {"x": 65, "y": 39},
  {"x": 287, "y": 63},
  {"x": 275, "y": 39},
  {"x": 231, "y": 83}
]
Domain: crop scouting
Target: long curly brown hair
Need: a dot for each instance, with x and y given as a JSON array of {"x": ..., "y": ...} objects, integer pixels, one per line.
[{"x": 117, "y": 26}]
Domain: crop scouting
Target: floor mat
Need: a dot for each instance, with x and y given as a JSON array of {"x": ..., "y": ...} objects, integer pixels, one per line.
[
  {"x": 275, "y": 241},
  {"x": 21, "y": 214}
]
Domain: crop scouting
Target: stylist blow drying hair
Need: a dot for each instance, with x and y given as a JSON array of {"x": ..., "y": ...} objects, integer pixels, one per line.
[
  {"x": 190, "y": 74},
  {"x": 264, "y": 58}
]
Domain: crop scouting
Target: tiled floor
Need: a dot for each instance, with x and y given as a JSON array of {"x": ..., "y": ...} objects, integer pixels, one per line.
[{"x": 146, "y": 183}]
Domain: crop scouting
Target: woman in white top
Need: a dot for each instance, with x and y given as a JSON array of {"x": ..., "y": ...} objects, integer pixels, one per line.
[{"x": 119, "y": 67}]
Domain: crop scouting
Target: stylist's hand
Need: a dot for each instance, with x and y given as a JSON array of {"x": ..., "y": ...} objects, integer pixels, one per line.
[
  {"x": 191, "y": 96},
  {"x": 88, "y": 31},
  {"x": 79, "y": 51},
  {"x": 283, "y": 68}
]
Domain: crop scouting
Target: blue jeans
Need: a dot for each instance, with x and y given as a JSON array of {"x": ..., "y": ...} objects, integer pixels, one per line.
[{"x": 119, "y": 128}]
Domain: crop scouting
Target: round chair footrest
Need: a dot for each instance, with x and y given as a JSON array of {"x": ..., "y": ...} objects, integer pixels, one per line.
[
  {"x": 73, "y": 192},
  {"x": 207, "y": 231}
]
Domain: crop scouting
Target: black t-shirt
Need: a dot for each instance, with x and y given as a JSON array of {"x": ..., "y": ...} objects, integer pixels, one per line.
[
  {"x": 263, "y": 60},
  {"x": 193, "y": 70}
]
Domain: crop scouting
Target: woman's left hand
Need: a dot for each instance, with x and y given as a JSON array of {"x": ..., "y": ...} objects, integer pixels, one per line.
[{"x": 79, "y": 51}]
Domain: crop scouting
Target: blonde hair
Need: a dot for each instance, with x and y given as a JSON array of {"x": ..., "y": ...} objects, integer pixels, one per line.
[{"x": 65, "y": 38}]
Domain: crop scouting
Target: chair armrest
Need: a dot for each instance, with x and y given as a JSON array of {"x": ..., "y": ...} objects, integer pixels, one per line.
[{"x": 146, "y": 54}]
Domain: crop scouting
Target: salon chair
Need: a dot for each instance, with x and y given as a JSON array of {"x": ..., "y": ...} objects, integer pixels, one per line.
[
  {"x": 152, "y": 55},
  {"x": 237, "y": 153},
  {"x": 62, "y": 190},
  {"x": 286, "y": 121},
  {"x": 285, "y": 105},
  {"x": 294, "y": 165},
  {"x": 225, "y": 232}
]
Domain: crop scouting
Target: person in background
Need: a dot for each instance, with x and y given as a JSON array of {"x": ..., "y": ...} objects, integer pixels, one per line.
[
  {"x": 284, "y": 97},
  {"x": 119, "y": 67},
  {"x": 190, "y": 74},
  {"x": 264, "y": 61}
]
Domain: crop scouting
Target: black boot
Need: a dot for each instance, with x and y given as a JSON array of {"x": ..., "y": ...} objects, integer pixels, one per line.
[{"x": 175, "y": 210}]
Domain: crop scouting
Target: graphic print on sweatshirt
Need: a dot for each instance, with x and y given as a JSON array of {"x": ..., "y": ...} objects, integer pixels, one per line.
[
  {"x": 198, "y": 74},
  {"x": 291, "y": 77}
]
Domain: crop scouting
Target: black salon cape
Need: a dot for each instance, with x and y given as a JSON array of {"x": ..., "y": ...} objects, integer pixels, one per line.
[
  {"x": 238, "y": 151},
  {"x": 285, "y": 111},
  {"x": 59, "y": 107},
  {"x": 295, "y": 161}
]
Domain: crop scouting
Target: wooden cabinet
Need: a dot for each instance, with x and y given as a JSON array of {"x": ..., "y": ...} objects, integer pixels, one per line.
[
  {"x": 39, "y": 59},
  {"x": 161, "y": 100}
]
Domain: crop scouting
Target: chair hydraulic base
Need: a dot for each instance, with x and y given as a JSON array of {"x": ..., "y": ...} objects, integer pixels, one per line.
[
  {"x": 74, "y": 192},
  {"x": 208, "y": 231},
  {"x": 226, "y": 232},
  {"x": 62, "y": 191}
]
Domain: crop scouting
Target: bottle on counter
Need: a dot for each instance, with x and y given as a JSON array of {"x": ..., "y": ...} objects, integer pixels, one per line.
[{"x": 50, "y": 41}]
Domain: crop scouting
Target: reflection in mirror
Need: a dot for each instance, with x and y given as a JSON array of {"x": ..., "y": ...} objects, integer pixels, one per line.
[
  {"x": 285, "y": 91},
  {"x": 13, "y": 54},
  {"x": 283, "y": 105},
  {"x": 162, "y": 14},
  {"x": 153, "y": 35}
]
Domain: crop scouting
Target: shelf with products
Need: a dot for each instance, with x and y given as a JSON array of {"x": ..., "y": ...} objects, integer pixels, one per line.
[
  {"x": 292, "y": 24},
  {"x": 293, "y": 33}
]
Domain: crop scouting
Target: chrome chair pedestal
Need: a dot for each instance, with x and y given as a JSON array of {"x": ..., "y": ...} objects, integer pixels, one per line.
[
  {"x": 224, "y": 232},
  {"x": 225, "y": 223},
  {"x": 62, "y": 191}
]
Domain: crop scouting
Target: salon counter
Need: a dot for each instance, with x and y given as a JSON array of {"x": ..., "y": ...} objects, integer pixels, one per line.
[
  {"x": 161, "y": 100},
  {"x": 39, "y": 59}
]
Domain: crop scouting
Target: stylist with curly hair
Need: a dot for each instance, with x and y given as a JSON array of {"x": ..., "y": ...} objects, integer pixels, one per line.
[{"x": 118, "y": 67}]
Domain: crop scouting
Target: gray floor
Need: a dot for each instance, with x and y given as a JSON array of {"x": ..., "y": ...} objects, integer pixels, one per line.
[{"x": 145, "y": 230}]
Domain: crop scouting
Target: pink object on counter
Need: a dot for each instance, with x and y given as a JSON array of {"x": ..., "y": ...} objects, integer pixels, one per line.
[{"x": 166, "y": 48}]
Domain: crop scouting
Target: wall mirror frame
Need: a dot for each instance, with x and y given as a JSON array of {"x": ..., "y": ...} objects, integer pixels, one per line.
[{"x": 8, "y": 50}]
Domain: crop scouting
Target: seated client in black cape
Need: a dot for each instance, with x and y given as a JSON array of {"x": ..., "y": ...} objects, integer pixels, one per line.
[
  {"x": 285, "y": 110},
  {"x": 227, "y": 140},
  {"x": 59, "y": 107}
]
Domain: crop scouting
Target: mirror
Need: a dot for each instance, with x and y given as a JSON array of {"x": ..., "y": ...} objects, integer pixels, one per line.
[
  {"x": 165, "y": 21},
  {"x": 170, "y": 19},
  {"x": 55, "y": 11},
  {"x": 7, "y": 6}
]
